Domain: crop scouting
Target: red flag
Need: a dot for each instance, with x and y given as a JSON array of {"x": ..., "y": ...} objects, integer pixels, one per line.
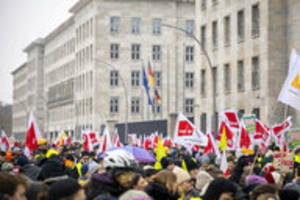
[
  {"x": 86, "y": 142},
  {"x": 232, "y": 119},
  {"x": 116, "y": 139},
  {"x": 262, "y": 133},
  {"x": 280, "y": 129},
  {"x": 32, "y": 136},
  {"x": 147, "y": 143},
  {"x": 106, "y": 142},
  {"x": 93, "y": 139},
  {"x": 168, "y": 142},
  {"x": 4, "y": 142},
  {"x": 245, "y": 140},
  {"x": 230, "y": 139},
  {"x": 211, "y": 146}
]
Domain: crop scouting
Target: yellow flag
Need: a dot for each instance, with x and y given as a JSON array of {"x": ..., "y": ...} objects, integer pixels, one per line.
[
  {"x": 160, "y": 153},
  {"x": 223, "y": 141},
  {"x": 183, "y": 165},
  {"x": 61, "y": 138}
]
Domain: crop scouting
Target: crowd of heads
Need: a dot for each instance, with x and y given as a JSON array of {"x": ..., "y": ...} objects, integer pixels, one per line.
[{"x": 70, "y": 173}]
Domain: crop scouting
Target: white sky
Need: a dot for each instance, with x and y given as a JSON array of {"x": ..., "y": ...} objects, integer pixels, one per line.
[{"x": 21, "y": 22}]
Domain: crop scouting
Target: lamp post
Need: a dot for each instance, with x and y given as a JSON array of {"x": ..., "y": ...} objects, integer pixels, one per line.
[
  {"x": 126, "y": 97},
  {"x": 213, "y": 117}
]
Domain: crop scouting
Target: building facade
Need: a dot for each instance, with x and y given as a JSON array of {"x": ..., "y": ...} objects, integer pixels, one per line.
[{"x": 88, "y": 71}]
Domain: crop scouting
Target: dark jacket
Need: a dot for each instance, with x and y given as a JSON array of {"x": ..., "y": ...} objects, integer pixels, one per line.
[
  {"x": 158, "y": 191},
  {"x": 53, "y": 167},
  {"x": 31, "y": 171},
  {"x": 103, "y": 186}
]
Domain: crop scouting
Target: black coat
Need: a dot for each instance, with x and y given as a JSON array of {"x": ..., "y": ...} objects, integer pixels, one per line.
[
  {"x": 53, "y": 167},
  {"x": 158, "y": 191}
]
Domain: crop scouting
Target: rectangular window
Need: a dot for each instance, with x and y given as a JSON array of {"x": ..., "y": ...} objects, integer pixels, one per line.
[
  {"x": 203, "y": 123},
  {"x": 227, "y": 30},
  {"x": 114, "y": 104},
  {"x": 255, "y": 73},
  {"x": 135, "y": 29},
  {"x": 189, "y": 79},
  {"x": 203, "y": 82},
  {"x": 135, "y": 51},
  {"x": 135, "y": 105},
  {"x": 157, "y": 78},
  {"x": 255, "y": 20},
  {"x": 215, "y": 78},
  {"x": 156, "y": 52},
  {"x": 215, "y": 34},
  {"x": 189, "y": 53},
  {"x": 227, "y": 78},
  {"x": 189, "y": 26},
  {"x": 256, "y": 112},
  {"x": 241, "y": 25},
  {"x": 156, "y": 108},
  {"x": 114, "y": 78},
  {"x": 135, "y": 78},
  {"x": 156, "y": 26},
  {"x": 241, "y": 86},
  {"x": 189, "y": 106},
  {"x": 203, "y": 4},
  {"x": 114, "y": 51},
  {"x": 203, "y": 35},
  {"x": 114, "y": 24}
]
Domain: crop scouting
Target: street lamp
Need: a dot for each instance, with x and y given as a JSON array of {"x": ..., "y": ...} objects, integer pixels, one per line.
[
  {"x": 126, "y": 96},
  {"x": 214, "y": 120}
]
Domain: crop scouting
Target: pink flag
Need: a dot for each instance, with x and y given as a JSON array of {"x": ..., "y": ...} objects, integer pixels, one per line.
[
  {"x": 32, "y": 136},
  {"x": 4, "y": 142},
  {"x": 232, "y": 119}
]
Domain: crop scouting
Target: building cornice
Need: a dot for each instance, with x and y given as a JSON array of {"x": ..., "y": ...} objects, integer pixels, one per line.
[
  {"x": 18, "y": 69},
  {"x": 37, "y": 42},
  {"x": 66, "y": 24},
  {"x": 80, "y": 4}
]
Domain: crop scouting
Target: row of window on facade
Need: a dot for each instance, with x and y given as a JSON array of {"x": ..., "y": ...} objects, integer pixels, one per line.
[
  {"x": 84, "y": 57},
  {"x": 135, "y": 105},
  {"x": 241, "y": 112},
  {"x": 60, "y": 52},
  {"x": 255, "y": 29},
  {"x": 84, "y": 31},
  {"x": 84, "y": 107},
  {"x": 84, "y": 82},
  {"x": 156, "y": 52},
  {"x": 115, "y": 23},
  {"x": 61, "y": 91},
  {"x": 66, "y": 71},
  {"x": 61, "y": 114}
]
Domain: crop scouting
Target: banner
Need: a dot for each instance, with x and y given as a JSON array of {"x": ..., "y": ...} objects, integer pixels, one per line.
[{"x": 250, "y": 123}]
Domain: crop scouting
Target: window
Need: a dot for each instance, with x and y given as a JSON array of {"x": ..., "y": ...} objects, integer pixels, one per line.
[
  {"x": 241, "y": 25},
  {"x": 189, "y": 79},
  {"x": 227, "y": 78},
  {"x": 114, "y": 104},
  {"x": 135, "y": 105},
  {"x": 203, "y": 4},
  {"x": 114, "y": 24},
  {"x": 203, "y": 122},
  {"x": 135, "y": 51},
  {"x": 240, "y": 78},
  {"x": 203, "y": 82},
  {"x": 189, "y": 26},
  {"x": 156, "y": 52},
  {"x": 256, "y": 112},
  {"x": 215, "y": 78},
  {"x": 215, "y": 34},
  {"x": 135, "y": 29},
  {"x": 227, "y": 30},
  {"x": 135, "y": 78},
  {"x": 189, "y": 53},
  {"x": 189, "y": 106},
  {"x": 255, "y": 20},
  {"x": 156, "y": 108},
  {"x": 203, "y": 35},
  {"x": 157, "y": 78},
  {"x": 255, "y": 73},
  {"x": 214, "y": 2},
  {"x": 114, "y": 51},
  {"x": 114, "y": 78},
  {"x": 241, "y": 113},
  {"x": 156, "y": 26}
]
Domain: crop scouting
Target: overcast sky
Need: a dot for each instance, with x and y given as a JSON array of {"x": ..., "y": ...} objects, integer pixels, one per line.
[{"x": 21, "y": 22}]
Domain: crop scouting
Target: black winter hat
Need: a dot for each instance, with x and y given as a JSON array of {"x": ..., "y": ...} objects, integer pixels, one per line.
[
  {"x": 165, "y": 162},
  {"x": 63, "y": 188},
  {"x": 217, "y": 187}
]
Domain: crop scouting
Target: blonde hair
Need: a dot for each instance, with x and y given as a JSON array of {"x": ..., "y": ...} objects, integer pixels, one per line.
[{"x": 166, "y": 178}]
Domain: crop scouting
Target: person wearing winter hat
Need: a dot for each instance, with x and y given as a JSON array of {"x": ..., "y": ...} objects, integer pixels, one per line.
[
  {"x": 184, "y": 182},
  {"x": 66, "y": 189},
  {"x": 273, "y": 177},
  {"x": 167, "y": 163},
  {"x": 135, "y": 195},
  {"x": 203, "y": 179},
  {"x": 265, "y": 192},
  {"x": 254, "y": 179},
  {"x": 7, "y": 167},
  {"x": 205, "y": 161},
  {"x": 220, "y": 189},
  {"x": 287, "y": 194},
  {"x": 37, "y": 191},
  {"x": 22, "y": 161},
  {"x": 192, "y": 167}
]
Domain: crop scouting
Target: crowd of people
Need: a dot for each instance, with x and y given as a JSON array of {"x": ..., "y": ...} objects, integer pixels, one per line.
[{"x": 70, "y": 173}]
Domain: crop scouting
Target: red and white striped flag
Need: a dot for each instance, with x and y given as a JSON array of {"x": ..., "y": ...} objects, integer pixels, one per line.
[
  {"x": 4, "y": 142},
  {"x": 106, "y": 140},
  {"x": 211, "y": 146},
  {"x": 232, "y": 119},
  {"x": 32, "y": 136},
  {"x": 117, "y": 142}
]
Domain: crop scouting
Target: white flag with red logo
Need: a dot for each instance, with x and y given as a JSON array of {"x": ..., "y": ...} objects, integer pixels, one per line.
[
  {"x": 93, "y": 139},
  {"x": 232, "y": 119},
  {"x": 188, "y": 133},
  {"x": 147, "y": 143},
  {"x": 224, "y": 164},
  {"x": 281, "y": 129},
  {"x": 230, "y": 139},
  {"x": 106, "y": 141},
  {"x": 4, "y": 142},
  {"x": 167, "y": 142},
  {"x": 211, "y": 146},
  {"x": 262, "y": 134},
  {"x": 87, "y": 146},
  {"x": 32, "y": 136},
  {"x": 117, "y": 142}
]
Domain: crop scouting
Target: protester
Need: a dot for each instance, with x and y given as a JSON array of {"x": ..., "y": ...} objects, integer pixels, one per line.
[{"x": 13, "y": 187}]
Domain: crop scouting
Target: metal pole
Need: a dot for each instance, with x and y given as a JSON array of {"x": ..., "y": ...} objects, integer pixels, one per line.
[
  {"x": 126, "y": 96},
  {"x": 214, "y": 120}
]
